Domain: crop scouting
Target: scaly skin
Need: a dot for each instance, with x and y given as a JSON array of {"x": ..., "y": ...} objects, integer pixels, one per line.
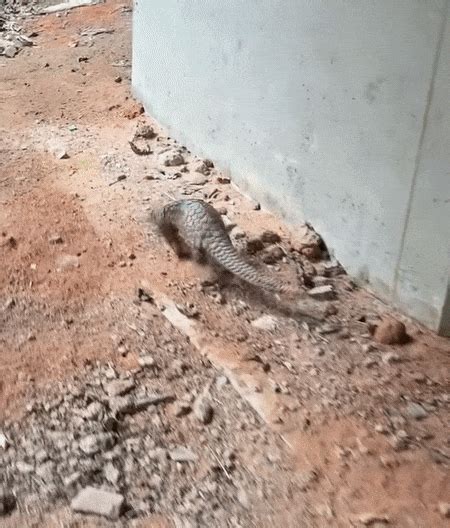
[{"x": 195, "y": 230}]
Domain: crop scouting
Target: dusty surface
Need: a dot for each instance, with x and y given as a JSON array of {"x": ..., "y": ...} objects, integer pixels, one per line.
[{"x": 346, "y": 431}]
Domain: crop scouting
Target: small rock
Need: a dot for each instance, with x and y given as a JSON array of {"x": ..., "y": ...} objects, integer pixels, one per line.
[
  {"x": 72, "y": 479},
  {"x": 60, "y": 153},
  {"x": 400, "y": 442},
  {"x": 7, "y": 502},
  {"x": 444, "y": 509},
  {"x": 122, "y": 404},
  {"x": 221, "y": 381},
  {"x": 111, "y": 473},
  {"x": 46, "y": 472},
  {"x": 3, "y": 441},
  {"x": 202, "y": 409},
  {"x": 320, "y": 280},
  {"x": 270, "y": 237},
  {"x": 173, "y": 159},
  {"x": 181, "y": 409},
  {"x": 322, "y": 293},
  {"x": 92, "y": 411},
  {"x": 325, "y": 510},
  {"x": 306, "y": 478},
  {"x": 145, "y": 132},
  {"x": 98, "y": 502},
  {"x": 370, "y": 362},
  {"x": 9, "y": 303},
  {"x": 10, "y": 51},
  {"x": 382, "y": 429},
  {"x": 41, "y": 456},
  {"x": 254, "y": 245},
  {"x": 312, "y": 252},
  {"x": 182, "y": 454},
  {"x": 56, "y": 239},
  {"x": 416, "y": 411},
  {"x": 67, "y": 261},
  {"x": 266, "y": 322},
  {"x": 24, "y": 467},
  {"x": 238, "y": 233},
  {"x": 272, "y": 254},
  {"x": 202, "y": 168},
  {"x": 146, "y": 361},
  {"x": 391, "y": 332},
  {"x": 223, "y": 179},
  {"x": 369, "y": 519},
  {"x": 94, "y": 443},
  {"x": 242, "y": 497},
  {"x": 143, "y": 402},
  {"x": 144, "y": 296},
  {"x": 228, "y": 223},
  {"x": 391, "y": 357},
  {"x": 419, "y": 377},
  {"x": 197, "y": 179},
  {"x": 119, "y": 387}
]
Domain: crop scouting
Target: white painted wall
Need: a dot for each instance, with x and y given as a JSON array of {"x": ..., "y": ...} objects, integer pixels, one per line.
[{"x": 335, "y": 112}]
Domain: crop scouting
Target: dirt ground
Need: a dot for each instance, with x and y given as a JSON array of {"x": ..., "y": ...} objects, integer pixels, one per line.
[{"x": 75, "y": 248}]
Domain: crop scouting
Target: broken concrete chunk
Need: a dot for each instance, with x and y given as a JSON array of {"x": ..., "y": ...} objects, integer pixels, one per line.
[{"x": 95, "y": 501}]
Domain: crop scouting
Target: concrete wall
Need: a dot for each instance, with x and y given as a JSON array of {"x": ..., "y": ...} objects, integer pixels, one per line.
[{"x": 335, "y": 112}]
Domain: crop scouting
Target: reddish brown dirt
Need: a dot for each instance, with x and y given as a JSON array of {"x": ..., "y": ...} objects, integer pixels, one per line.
[{"x": 68, "y": 313}]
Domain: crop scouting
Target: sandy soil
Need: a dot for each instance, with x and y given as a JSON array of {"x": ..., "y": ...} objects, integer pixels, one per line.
[{"x": 75, "y": 247}]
